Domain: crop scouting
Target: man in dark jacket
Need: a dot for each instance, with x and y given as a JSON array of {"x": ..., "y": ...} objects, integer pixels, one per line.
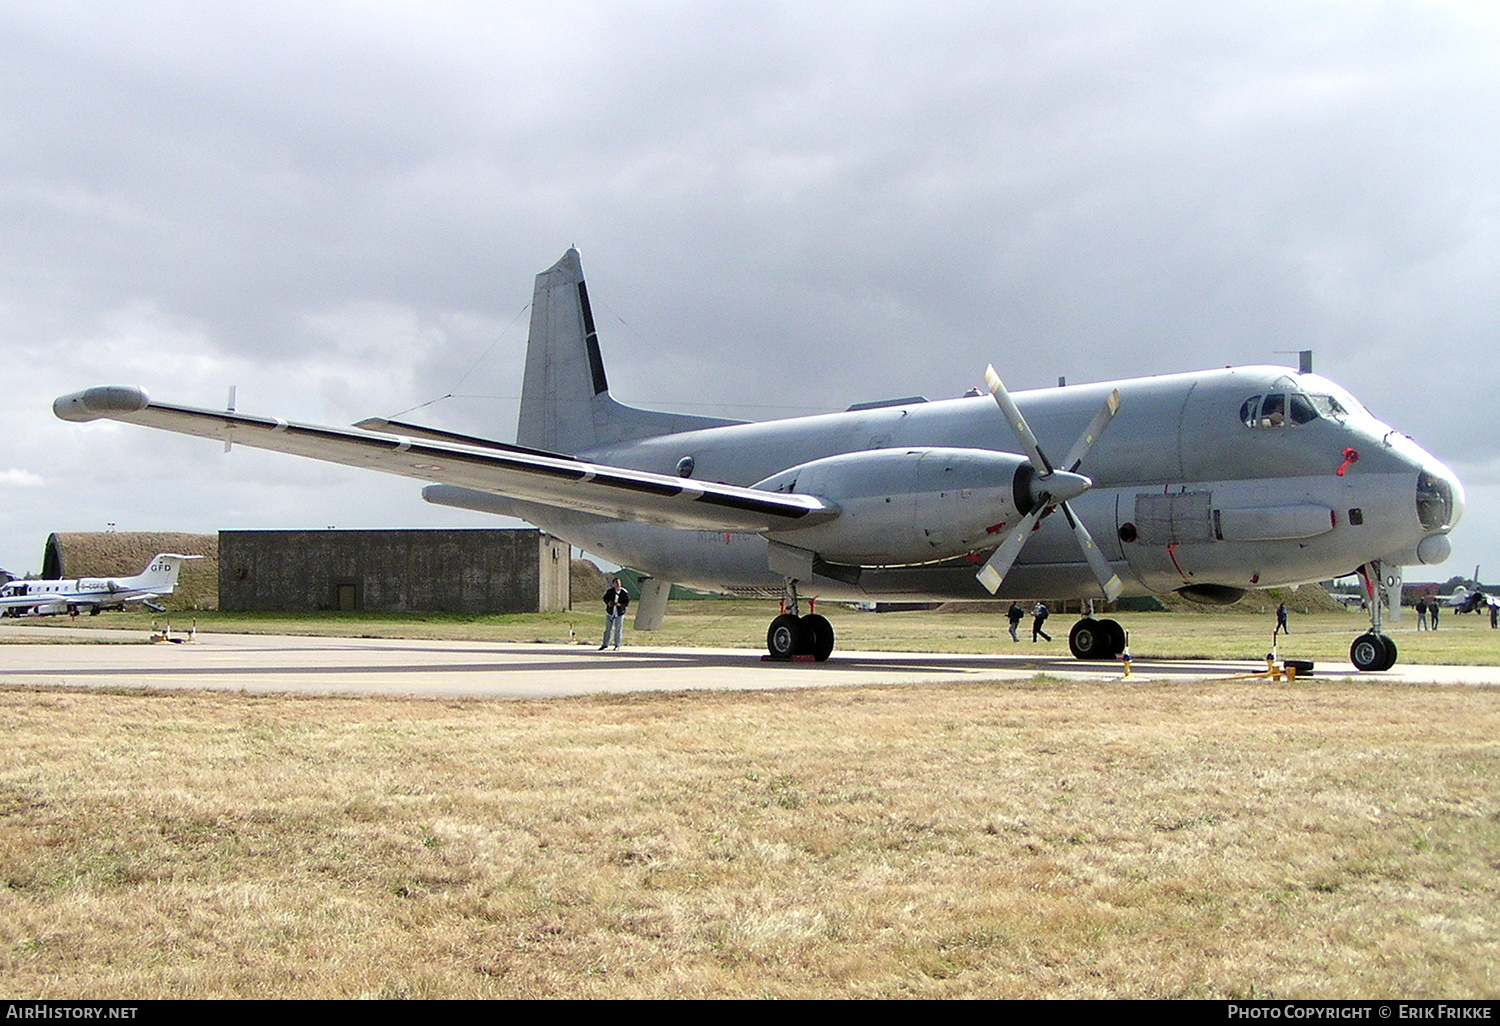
[
  {"x": 1039, "y": 614},
  {"x": 615, "y": 601},
  {"x": 1015, "y": 614}
]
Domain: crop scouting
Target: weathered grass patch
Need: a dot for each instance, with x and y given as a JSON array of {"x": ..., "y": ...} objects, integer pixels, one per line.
[{"x": 1195, "y": 840}]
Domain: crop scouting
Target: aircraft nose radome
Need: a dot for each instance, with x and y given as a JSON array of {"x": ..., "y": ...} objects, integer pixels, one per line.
[{"x": 101, "y": 401}]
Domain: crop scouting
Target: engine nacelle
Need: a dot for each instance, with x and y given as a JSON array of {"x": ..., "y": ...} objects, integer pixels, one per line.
[{"x": 908, "y": 505}]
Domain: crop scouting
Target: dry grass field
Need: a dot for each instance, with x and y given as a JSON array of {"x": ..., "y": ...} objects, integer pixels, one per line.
[{"x": 1040, "y": 839}]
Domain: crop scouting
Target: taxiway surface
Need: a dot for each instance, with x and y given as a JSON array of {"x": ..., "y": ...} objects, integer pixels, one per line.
[{"x": 267, "y": 663}]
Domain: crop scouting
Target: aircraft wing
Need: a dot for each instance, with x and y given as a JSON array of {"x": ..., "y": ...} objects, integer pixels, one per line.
[{"x": 500, "y": 470}]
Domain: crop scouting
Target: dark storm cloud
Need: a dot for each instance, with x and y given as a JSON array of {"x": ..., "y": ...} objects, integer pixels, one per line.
[{"x": 781, "y": 207}]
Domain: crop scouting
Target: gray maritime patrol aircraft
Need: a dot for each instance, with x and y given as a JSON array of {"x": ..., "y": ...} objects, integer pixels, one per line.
[{"x": 1207, "y": 484}]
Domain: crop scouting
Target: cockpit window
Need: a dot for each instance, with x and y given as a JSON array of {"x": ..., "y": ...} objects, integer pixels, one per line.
[
  {"x": 1273, "y": 410},
  {"x": 1248, "y": 411},
  {"x": 1282, "y": 408},
  {"x": 1328, "y": 406},
  {"x": 1300, "y": 409}
]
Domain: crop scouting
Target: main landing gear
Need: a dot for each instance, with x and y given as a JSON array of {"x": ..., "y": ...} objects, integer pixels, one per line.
[
  {"x": 1374, "y": 650},
  {"x": 791, "y": 635},
  {"x": 1096, "y": 639}
]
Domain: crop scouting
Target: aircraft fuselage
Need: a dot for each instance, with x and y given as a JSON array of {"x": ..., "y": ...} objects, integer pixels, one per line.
[{"x": 1187, "y": 490}]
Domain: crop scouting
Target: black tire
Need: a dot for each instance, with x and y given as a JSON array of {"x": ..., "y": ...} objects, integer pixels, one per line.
[
  {"x": 786, "y": 637},
  {"x": 1390, "y": 651},
  {"x": 1116, "y": 635},
  {"x": 819, "y": 633},
  {"x": 1089, "y": 639},
  {"x": 1368, "y": 653}
]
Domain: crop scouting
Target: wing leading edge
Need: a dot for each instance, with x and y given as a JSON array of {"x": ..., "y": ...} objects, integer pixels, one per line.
[{"x": 516, "y": 473}]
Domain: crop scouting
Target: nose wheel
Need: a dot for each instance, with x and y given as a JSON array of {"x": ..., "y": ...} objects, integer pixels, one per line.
[{"x": 1373, "y": 652}]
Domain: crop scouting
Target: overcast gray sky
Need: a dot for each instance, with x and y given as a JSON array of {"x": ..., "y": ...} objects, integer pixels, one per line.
[{"x": 782, "y": 208}]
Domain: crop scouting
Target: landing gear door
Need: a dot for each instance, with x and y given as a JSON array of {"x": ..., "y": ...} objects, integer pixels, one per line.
[
  {"x": 1390, "y": 590},
  {"x": 1382, "y": 582}
]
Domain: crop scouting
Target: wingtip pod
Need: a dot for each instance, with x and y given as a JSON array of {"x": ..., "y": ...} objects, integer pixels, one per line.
[{"x": 101, "y": 401}]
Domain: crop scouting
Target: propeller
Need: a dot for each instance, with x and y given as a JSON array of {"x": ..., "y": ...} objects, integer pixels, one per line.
[{"x": 1051, "y": 488}]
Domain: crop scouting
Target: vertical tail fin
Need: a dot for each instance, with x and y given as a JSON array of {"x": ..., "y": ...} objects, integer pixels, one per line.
[
  {"x": 564, "y": 371},
  {"x": 161, "y": 573},
  {"x": 565, "y": 401}
]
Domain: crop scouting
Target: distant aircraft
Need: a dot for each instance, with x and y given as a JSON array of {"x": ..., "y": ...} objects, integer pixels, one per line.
[
  {"x": 1206, "y": 484},
  {"x": 46, "y": 598},
  {"x": 1463, "y": 600}
]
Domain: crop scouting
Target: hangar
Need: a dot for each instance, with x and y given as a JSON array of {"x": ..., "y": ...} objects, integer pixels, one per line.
[
  {"x": 457, "y": 571},
  {"x": 123, "y": 553}
]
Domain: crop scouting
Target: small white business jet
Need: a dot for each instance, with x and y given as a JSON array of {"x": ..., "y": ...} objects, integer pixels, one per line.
[
  {"x": 1206, "y": 484},
  {"x": 47, "y": 598}
]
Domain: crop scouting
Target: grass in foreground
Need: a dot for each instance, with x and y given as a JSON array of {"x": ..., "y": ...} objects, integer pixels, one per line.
[{"x": 1025, "y": 840}]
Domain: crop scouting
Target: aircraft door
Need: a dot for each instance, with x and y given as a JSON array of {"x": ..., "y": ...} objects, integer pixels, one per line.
[{"x": 1159, "y": 533}]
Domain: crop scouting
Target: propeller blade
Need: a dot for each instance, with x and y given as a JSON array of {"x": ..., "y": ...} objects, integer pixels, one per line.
[
  {"x": 1017, "y": 422},
  {"x": 1051, "y": 489},
  {"x": 1107, "y": 578},
  {"x": 1093, "y": 431},
  {"x": 998, "y": 565}
]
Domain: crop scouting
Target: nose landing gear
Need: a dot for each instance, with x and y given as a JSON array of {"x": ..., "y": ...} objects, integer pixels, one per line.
[{"x": 1373, "y": 650}]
